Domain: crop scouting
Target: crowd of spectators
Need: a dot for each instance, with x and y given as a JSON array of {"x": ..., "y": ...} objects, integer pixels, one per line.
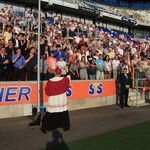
[{"x": 86, "y": 51}]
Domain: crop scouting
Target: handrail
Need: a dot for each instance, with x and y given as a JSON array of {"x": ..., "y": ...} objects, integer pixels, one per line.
[{"x": 139, "y": 82}]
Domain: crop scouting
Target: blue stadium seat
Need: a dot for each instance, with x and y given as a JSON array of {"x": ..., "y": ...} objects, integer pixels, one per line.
[{"x": 128, "y": 4}]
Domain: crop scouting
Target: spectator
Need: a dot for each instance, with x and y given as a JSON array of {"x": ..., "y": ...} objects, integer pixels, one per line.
[
  {"x": 43, "y": 67},
  {"x": 18, "y": 61},
  {"x": 7, "y": 34},
  {"x": 92, "y": 70},
  {"x": 107, "y": 67},
  {"x": 44, "y": 48},
  {"x": 31, "y": 64},
  {"x": 110, "y": 53},
  {"x": 59, "y": 53},
  {"x": 115, "y": 66},
  {"x": 16, "y": 42},
  {"x": 73, "y": 69},
  {"x": 75, "y": 39},
  {"x": 100, "y": 68},
  {"x": 52, "y": 65},
  {"x": 83, "y": 68},
  {"x": 32, "y": 37},
  {"x": 4, "y": 62},
  {"x": 61, "y": 64},
  {"x": 125, "y": 85},
  {"x": 24, "y": 45},
  {"x": 90, "y": 57}
]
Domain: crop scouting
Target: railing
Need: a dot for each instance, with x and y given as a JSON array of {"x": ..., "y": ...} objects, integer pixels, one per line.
[
  {"x": 141, "y": 83},
  {"x": 141, "y": 78}
]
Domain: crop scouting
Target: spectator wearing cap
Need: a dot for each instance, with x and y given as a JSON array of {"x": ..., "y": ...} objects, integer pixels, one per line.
[{"x": 18, "y": 61}]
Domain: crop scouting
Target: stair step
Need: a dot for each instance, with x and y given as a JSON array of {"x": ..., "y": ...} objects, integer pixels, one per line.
[
  {"x": 145, "y": 104},
  {"x": 138, "y": 102},
  {"x": 135, "y": 97}
]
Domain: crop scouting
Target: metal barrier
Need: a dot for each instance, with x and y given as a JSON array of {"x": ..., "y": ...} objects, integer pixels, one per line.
[{"x": 141, "y": 83}]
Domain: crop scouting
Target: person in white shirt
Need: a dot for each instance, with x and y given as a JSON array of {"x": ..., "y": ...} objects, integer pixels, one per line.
[
  {"x": 62, "y": 65},
  {"x": 17, "y": 29},
  {"x": 29, "y": 19},
  {"x": 77, "y": 38},
  {"x": 115, "y": 66},
  {"x": 8, "y": 35},
  {"x": 110, "y": 53}
]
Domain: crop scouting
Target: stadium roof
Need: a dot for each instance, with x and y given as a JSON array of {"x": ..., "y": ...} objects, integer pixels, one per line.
[
  {"x": 44, "y": 5},
  {"x": 30, "y": 3}
]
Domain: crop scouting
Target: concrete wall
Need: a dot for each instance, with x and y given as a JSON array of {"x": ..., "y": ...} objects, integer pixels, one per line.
[
  {"x": 10, "y": 111},
  {"x": 91, "y": 102}
]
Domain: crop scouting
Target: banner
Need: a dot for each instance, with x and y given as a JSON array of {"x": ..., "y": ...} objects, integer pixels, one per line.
[
  {"x": 129, "y": 20},
  {"x": 26, "y": 92}
]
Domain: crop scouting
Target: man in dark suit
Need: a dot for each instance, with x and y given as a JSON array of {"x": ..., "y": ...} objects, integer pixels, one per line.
[
  {"x": 125, "y": 82},
  {"x": 10, "y": 50},
  {"x": 31, "y": 64},
  {"x": 16, "y": 42},
  {"x": 4, "y": 62},
  {"x": 44, "y": 47}
]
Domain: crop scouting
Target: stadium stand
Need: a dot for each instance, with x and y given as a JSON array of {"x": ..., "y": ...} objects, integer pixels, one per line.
[{"x": 69, "y": 39}]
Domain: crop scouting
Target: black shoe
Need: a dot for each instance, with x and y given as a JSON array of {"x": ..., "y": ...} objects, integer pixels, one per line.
[
  {"x": 43, "y": 130},
  {"x": 127, "y": 106}
]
